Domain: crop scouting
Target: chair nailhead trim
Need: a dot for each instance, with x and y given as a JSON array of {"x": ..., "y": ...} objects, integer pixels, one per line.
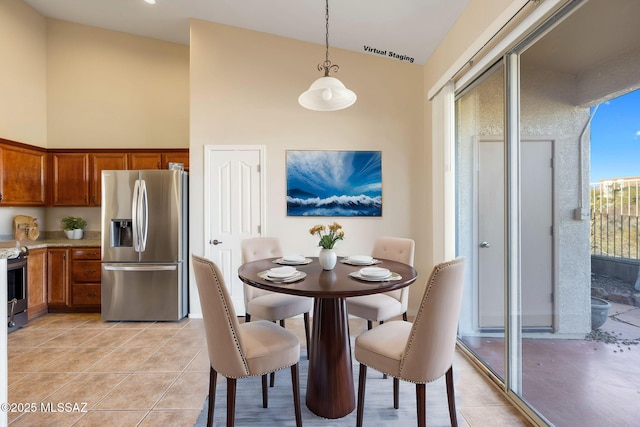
[
  {"x": 228, "y": 316},
  {"x": 434, "y": 275}
]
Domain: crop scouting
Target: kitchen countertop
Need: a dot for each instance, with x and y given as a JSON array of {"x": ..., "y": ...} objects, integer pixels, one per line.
[
  {"x": 60, "y": 243},
  {"x": 58, "y": 240}
]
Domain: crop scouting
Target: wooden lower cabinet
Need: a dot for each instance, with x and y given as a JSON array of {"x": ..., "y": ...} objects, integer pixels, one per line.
[
  {"x": 36, "y": 283},
  {"x": 58, "y": 279},
  {"x": 74, "y": 280},
  {"x": 85, "y": 278}
]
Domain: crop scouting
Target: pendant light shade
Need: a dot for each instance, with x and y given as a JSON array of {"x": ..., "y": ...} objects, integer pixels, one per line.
[{"x": 327, "y": 93}]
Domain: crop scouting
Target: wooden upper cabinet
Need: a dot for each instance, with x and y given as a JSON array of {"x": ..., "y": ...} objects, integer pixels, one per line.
[
  {"x": 33, "y": 176},
  {"x": 69, "y": 179},
  {"x": 158, "y": 160},
  {"x": 22, "y": 175},
  {"x": 98, "y": 163},
  {"x": 176, "y": 157},
  {"x": 145, "y": 161}
]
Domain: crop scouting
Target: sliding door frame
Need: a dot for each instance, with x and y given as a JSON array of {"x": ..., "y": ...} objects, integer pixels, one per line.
[{"x": 548, "y": 14}]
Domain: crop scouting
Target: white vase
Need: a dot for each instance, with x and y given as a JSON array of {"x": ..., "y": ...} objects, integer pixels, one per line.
[
  {"x": 75, "y": 234},
  {"x": 327, "y": 259}
]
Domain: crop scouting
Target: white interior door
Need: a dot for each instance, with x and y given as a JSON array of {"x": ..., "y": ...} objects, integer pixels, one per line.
[
  {"x": 536, "y": 212},
  {"x": 234, "y": 191}
]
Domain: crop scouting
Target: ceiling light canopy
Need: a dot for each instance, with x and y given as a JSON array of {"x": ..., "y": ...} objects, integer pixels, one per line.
[{"x": 327, "y": 93}]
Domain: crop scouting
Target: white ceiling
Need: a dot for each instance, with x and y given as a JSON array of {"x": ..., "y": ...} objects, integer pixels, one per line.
[{"x": 410, "y": 27}]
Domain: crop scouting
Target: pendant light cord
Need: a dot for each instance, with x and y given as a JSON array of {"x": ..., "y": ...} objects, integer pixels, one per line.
[
  {"x": 326, "y": 17},
  {"x": 326, "y": 66}
]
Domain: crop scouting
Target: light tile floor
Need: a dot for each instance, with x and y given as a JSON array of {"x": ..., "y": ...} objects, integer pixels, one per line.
[{"x": 156, "y": 374}]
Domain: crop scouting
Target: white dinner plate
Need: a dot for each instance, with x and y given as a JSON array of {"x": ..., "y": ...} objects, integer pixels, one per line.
[
  {"x": 360, "y": 259},
  {"x": 294, "y": 258},
  {"x": 376, "y": 272},
  {"x": 282, "y": 261},
  {"x": 281, "y": 272},
  {"x": 298, "y": 275},
  {"x": 351, "y": 261},
  {"x": 392, "y": 276}
]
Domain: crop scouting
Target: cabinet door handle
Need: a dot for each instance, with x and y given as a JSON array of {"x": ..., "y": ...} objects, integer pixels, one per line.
[
  {"x": 0, "y": 197},
  {"x": 90, "y": 271}
]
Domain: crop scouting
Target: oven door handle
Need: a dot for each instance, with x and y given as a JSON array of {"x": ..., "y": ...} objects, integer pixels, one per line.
[{"x": 13, "y": 303}]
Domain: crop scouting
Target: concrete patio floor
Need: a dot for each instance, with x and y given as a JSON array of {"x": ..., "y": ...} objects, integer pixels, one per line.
[{"x": 580, "y": 382}]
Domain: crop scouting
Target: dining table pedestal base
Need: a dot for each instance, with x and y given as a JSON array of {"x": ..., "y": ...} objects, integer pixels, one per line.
[{"x": 330, "y": 390}]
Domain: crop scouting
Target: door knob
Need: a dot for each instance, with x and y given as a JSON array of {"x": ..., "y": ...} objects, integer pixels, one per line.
[
  {"x": 485, "y": 245},
  {"x": 215, "y": 242}
]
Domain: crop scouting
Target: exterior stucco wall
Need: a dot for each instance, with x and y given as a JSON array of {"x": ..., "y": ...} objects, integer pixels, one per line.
[{"x": 547, "y": 111}]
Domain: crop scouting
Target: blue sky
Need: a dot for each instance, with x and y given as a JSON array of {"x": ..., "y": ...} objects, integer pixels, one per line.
[{"x": 615, "y": 138}]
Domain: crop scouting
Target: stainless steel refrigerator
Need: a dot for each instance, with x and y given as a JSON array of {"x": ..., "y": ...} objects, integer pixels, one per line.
[{"x": 144, "y": 245}]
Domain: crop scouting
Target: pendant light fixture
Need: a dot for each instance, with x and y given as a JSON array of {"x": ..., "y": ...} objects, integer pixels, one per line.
[{"x": 327, "y": 93}]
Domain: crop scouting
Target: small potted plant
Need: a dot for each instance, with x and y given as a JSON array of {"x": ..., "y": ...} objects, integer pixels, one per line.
[
  {"x": 327, "y": 257},
  {"x": 73, "y": 226}
]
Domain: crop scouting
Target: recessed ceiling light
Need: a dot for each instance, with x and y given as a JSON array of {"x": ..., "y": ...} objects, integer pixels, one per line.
[{"x": 150, "y": 1}]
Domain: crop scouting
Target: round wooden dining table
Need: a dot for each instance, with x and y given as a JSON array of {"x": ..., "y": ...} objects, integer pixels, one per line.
[{"x": 330, "y": 388}]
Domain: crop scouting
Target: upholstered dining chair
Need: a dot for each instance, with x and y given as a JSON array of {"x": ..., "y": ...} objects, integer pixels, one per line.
[
  {"x": 383, "y": 306},
  {"x": 241, "y": 350},
  {"x": 418, "y": 352},
  {"x": 268, "y": 305}
]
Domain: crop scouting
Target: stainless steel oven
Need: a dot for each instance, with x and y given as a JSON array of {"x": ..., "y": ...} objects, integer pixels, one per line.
[{"x": 17, "y": 293}]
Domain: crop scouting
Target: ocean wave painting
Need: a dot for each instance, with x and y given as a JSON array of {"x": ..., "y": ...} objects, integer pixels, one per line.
[{"x": 334, "y": 183}]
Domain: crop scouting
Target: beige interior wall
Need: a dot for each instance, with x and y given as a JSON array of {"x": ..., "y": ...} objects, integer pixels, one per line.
[
  {"x": 244, "y": 91},
  {"x": 107, "y": 89},
  {"x": 110, "y": 89},
  {"x": 23, "y": 114},
  {"x": 23, "y": 78}
]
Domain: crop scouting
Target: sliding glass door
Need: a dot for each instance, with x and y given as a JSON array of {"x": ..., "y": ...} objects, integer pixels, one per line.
[
  {"x": 479, "y": 112},
  {"x": 522, "y": 212}
]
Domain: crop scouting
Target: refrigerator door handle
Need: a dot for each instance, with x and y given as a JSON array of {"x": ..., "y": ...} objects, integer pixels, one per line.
[
  {"x": 134, "y": 217},
  {"x": 128, "y": 267},
  {"x": 143, "y": 214}
]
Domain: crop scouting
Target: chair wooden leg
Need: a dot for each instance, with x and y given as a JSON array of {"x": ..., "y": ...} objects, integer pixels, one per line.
[
  {"x": 265, "y": 392},
  {"x": 306, "y": 332},
  {"x": 213, "y": 379},
  {"x": 282, "y": 323},
  {"x": 295, "y": 383},
  {"x": 231, "y": 401},
  {"x": 369, "y": 324},
  {"x": 404, "y": 316},
  {"x": 396, "y": 393},
  {"x": 272, "y": 379},
  {"x": 451, "y": 397},
  {"x": 421, "y": 397},
  {"x": 362, "y": 379},
  {"x": 247, "y": 318},
  {"x": 384, "y": 376}
]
